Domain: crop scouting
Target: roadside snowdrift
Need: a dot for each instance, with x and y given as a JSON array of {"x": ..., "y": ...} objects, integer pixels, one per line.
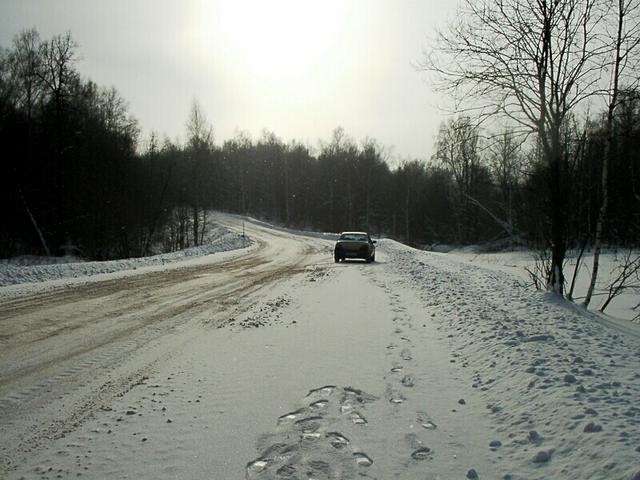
[
  {"x": 220, "y": 240},
  {"x": 515, "y": 263},
  {"x": 561, "y": 387}
]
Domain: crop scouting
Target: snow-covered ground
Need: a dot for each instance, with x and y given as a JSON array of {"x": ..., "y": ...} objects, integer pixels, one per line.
[
  {"x": 281, "y": 364},
  {"x": 516, "y": 263},
  {"x": 35, "y": 269},
  {"x": 561, "y": 385}
]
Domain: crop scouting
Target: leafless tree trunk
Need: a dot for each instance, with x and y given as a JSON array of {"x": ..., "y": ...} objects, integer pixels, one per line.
[
  {"x": 57, "y": 75},
  {"x": 627, "y": 38},
  {"x": 287, "y": 213},
  {"x": 196, "y": 223},
  {"x": 576, "y": 269},
  {"x": 204, "y": 226},
  {"x": 506, "y": 226},
  {"x": 457, "y": 149},
  {"x": 407, "y": 231},
  {"x": 533, "y": 62},
  {"x": 43, "y": 242},
  {"x": 26, "y": 64},
  {"x": 367, "y": 201},
  {"x": 628, "y": 277},
  {"x": 505, "y": 160},
  {"x": 199, "y": 146}
]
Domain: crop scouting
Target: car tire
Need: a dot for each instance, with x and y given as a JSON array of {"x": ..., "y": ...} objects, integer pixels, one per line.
[
  {"x": 373, "y": 257},
  {"x": 336, "y": 258}
]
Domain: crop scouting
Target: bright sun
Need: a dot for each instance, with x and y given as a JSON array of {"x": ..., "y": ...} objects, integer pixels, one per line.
[{"x": 279, "y": 39}]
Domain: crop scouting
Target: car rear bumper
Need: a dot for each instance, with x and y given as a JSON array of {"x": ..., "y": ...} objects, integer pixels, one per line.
[{"x": 362, "y": 252}]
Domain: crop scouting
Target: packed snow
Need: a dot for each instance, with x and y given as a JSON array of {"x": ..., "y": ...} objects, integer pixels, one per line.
[
  {"x": 418, "y": 366},
  {"x": 560, "y": 384}
]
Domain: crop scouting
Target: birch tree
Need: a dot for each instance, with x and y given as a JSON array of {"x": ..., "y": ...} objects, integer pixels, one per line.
[
  {"x": 625, "y": 36},
  {"x": 535, "y": 62},
  {"x": 199, "y": 147}
]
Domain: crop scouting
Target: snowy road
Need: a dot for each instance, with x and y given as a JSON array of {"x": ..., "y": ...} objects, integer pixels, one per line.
[
  {"x": 68, "y": 350},
  {"x": 276, "y": 363}
]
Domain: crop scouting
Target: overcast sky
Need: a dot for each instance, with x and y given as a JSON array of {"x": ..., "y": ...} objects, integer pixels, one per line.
[{"x": 297, "y": 68}]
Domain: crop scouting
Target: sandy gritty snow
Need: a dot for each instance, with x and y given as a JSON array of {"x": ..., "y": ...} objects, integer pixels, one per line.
[{"x": 413, "y": 367}]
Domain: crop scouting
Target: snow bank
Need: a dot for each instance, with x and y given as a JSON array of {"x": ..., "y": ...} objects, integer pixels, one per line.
[
  {"x": 515, "y": 263},
  {"x": 560, "y": 385},
  {"x": 306, "y": 233},
  {"x": 16, "y": 272}
]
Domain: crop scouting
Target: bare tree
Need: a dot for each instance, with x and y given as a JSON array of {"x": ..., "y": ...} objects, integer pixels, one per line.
[
  {"x": 7, "y": 87},
  {"x": 198, "y": 149},
  {"x": 57, "y": 72},
  {"x": 505, "y": 159},
  {"x": 626, "y": 38},
  {"x": 458, "y": 150},
  {"x": 369, "y": 159},
  {"x": 627, "y": 277},
  {"x": 534, "y": 61},
  {"x": 337, "y": 156},
  {"x": 26, "y": 65}
]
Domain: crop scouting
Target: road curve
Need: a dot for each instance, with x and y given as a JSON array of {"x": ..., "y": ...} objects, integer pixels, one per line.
[{"x": 65, "y": 351}]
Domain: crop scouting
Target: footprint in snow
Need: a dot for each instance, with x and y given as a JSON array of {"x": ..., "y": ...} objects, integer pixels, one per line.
[
  {"x": 303, "y": 445},
  {"x": 356, "y": 417},
  {"x": 322, "y": 391},
  {"x": 353, "y": 395},
  {"x": 319, "y": 404},
  {"x": 291, "y": 416},
  {"x": 394, "y": 396},
  {"x": 405, "y": 354},
  {"x": 362, "y": 459},
  {"x": 421, "y": 453},
  {"x": 337, "y": 440},
  {"x": 425, "y": 421},
  {"x": 408, "y": 381}
]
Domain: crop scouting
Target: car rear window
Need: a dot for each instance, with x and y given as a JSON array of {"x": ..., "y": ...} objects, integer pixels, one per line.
[{"x": 354, "y": 237}]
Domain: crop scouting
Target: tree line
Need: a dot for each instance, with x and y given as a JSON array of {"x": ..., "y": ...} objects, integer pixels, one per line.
[{"x": 76, "y": 180}]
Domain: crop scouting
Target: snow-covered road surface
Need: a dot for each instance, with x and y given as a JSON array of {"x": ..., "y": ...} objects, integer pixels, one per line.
[{"x": 278, "y": 363}]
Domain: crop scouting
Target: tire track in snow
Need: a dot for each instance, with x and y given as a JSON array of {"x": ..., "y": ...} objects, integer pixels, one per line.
[{"x": 87, "y": 356}]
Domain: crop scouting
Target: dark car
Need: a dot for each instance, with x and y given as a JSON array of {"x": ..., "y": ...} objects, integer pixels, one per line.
[{"x": 355, "y": 245}]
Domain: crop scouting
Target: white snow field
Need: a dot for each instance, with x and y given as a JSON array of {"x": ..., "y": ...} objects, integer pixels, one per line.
[
  {"x": 516, "y": 262},
  {"x": 276, "y": 363}
]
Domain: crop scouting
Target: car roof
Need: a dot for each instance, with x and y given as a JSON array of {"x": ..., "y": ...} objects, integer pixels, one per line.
[{"x": 354, "y": 233}]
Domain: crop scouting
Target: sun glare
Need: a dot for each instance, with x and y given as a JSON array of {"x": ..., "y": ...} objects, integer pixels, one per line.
[{"x": 280, "y": 39}]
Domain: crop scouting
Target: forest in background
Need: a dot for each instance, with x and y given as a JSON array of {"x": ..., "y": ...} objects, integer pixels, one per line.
[{"x": 75, "y": 179}]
